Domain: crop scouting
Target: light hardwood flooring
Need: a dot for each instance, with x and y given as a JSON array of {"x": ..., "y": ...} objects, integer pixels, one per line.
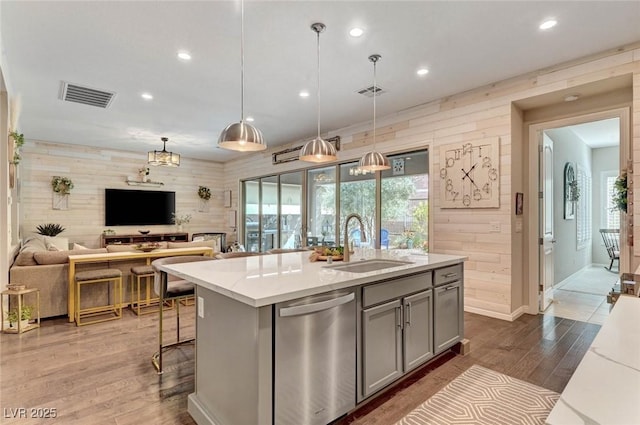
[{"x": 102, "y": 374}]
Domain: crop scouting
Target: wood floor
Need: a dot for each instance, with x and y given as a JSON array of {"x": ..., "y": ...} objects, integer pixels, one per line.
[{"x": 102, "y": 374}]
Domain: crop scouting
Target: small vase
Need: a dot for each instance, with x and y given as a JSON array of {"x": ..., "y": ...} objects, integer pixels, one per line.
[
  {"x": 409, "y": 244},
  {"x": 179, "y": 228},
  {"x": 145, "y": 178}
]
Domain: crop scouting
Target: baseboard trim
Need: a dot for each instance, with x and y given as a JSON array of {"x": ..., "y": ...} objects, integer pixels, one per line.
[{"x": 509, "y": 317}]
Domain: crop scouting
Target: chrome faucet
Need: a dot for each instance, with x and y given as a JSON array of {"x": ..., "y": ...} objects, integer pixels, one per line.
[{"x": 363, "y": 237}]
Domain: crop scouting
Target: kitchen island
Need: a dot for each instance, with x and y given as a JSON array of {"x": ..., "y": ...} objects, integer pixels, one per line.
[{"x": 284, "y": 340}]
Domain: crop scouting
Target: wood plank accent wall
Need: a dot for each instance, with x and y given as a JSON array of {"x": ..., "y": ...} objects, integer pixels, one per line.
[
  {"x": 492, "y": 287},
  {"x": 92, "y": 170}
]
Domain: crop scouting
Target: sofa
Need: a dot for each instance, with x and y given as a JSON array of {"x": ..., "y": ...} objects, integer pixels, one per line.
[{"x": 39, "y": 265}]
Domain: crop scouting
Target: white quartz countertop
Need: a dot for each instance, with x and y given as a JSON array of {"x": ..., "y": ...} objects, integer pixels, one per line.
[
  {"x": 605, "y": 388},
  {"x": 269, "y": 279}
]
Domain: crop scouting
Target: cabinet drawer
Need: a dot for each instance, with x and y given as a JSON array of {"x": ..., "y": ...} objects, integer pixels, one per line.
[
  {"x": 447, "y": 274},
  {"x": 396, "y": 288}
]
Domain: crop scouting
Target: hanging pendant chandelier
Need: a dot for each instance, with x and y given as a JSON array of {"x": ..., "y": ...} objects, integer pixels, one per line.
[
  {"x": 164, "y": 158},
  {"x": 374, "y": 161},
  {"x": 241, "y": 136},
  {"x": 318, "y": 150}
]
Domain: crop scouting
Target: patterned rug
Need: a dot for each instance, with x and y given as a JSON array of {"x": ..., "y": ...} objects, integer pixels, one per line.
[{"x": 482, "y": 396}]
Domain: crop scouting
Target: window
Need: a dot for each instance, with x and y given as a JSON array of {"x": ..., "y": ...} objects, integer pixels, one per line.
[
  {"x": 611, "y": 216},
  {"x": 583, "y": 213},
  {"x": 309, "y": 207}
]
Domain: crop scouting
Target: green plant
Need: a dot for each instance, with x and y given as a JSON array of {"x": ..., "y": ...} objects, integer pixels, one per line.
[
  {"x": 26, "y": 313},
  {"x": 50, "y": 229},
  {"x": 204, "y": 193},
  {"x": 61, "y": 185},
  {"x": 620, "y": 193},
  {"x": 18, "y": 139},
  {"x": 181, "y": 219}
]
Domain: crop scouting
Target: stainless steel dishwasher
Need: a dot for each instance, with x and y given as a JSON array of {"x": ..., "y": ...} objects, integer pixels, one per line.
[{"x": 315, "y": 359}]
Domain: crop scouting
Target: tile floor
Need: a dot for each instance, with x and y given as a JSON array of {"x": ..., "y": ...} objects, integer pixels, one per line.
[{"x": 583, "y": 295}]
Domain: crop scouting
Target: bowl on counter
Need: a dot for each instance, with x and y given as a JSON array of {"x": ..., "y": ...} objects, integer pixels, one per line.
[{"x": 143, "y": 232}]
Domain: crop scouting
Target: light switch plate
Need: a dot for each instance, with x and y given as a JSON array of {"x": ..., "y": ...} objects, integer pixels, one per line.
[
  {"x": 201, "y": 307},
  {"x": 494, "y": 227}
]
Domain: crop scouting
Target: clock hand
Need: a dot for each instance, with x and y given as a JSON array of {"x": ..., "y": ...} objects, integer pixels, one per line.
[{"x": 466, "y": 175}]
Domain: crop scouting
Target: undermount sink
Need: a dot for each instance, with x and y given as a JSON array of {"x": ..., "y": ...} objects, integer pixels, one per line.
[{"x": 368, "y": 265}]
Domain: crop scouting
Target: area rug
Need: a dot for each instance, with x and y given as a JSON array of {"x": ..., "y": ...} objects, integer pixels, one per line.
[
  {"x": 592, "y": 280},
  {"x": 481, "y": 396}
]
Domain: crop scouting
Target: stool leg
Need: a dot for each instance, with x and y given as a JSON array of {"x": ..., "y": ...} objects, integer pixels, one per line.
[{"x": 178, "y": 320}]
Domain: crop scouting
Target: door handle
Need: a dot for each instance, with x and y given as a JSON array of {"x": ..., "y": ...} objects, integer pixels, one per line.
[
  {"x": 553, "y": 241},
  {"x": 407, "y": 314},
  {"x": 315, "y": 307},
  {"x": 399, "y": 316}
]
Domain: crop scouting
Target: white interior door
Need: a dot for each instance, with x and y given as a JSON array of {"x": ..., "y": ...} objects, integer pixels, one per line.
[{"x": 546, "y": 221}]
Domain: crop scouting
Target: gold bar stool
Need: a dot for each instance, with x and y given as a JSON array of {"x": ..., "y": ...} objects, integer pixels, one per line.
[
  {"x": 169, "y": 287},
  {"x": 99, "y": 276},
  {"x": 140, "y": 275}
]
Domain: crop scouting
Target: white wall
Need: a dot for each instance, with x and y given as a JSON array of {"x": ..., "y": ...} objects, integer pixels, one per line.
[
  {"x": 604, "y": 161},
  {"x": 568, "y": 258}
]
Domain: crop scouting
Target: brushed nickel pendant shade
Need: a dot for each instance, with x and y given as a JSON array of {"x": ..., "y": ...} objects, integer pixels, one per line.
[
  {"x": 374, "y": 161},
  {"x": 318, "y": 150},
  {"x": 240, "y": 136},
  {"x": 163, "y": 158}
]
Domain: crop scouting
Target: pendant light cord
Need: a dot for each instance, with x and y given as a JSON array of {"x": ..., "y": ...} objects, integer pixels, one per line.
[
  {"x": 318, "y": 92},
  {"x": 241, "y": 60},
  {"x": 375, "y": 91}
]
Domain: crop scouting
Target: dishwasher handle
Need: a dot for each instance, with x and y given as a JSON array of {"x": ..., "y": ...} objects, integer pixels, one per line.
[{"x": 299, "y": 310}]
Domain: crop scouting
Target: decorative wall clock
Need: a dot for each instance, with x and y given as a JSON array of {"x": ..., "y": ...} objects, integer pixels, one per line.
[{"x": 470, "y": 174}]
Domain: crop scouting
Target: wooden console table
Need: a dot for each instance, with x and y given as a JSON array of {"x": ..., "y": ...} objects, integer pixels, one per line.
[
  {"x": 139, "y": 238},
  {"x": 122, "y": 256}
]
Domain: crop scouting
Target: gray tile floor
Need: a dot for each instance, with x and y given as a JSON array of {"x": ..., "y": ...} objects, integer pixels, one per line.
[{"x": 583, "y": 295}]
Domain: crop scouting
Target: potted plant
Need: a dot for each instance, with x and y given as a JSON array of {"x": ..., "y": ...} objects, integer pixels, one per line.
[
  {"x": 24, "y": 317},
  {"x": 143, "y": 173},
  {"x": 18, "y": 140},
  {"x": 61, "y": 185},
  {"x": 49, "y": 229},
  {"x": 204, "y": 193},
  {"x": 179, "y": 220}
]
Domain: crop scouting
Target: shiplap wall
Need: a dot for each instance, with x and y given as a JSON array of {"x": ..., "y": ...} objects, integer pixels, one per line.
[
  {"x": 492, "y": 286},
  {"x": 92, "y": 170}
]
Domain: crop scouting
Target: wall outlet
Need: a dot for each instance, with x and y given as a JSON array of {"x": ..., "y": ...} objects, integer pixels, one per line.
[
  {"x": 201, "y": 307},
  {"x": 494, "y": 227}
]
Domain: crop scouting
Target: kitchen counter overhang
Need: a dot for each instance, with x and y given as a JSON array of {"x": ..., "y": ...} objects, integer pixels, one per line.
[{"x": 269, "y": 279}]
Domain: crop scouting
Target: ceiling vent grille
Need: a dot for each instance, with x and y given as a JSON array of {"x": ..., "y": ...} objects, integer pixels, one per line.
[
  {"x": 369, "y": 91},
  {"x": 87, "y": 96}
]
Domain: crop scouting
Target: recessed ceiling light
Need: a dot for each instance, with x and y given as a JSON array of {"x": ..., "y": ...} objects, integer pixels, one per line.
[
  {"x": 356, "y": 32},
  {"x": 304, "y": 93},
  {"x": 249, "y": 119},
  {"x": 147, "y": 96},
  {"x": 422, "y": 71},
  {"x": 549, "y": 23},
  {"x": 184, "y": 55},
  {"x": 571, "y": 97}
]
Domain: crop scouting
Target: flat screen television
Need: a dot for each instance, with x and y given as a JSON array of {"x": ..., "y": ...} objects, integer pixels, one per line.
[{"x": 125, "y": 207}]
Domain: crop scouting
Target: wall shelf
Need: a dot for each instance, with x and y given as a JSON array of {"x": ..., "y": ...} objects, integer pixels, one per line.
[
  {"x": 141, "y": 183},
  {"x": 139, "y": 238}
]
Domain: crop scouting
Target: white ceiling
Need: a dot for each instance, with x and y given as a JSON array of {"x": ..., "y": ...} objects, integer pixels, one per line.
[{"x": 130, "y": 48}]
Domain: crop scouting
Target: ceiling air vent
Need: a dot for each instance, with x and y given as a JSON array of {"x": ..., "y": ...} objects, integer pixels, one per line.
[
  {"x": 369, "y": 91},
  {"x": 86, "y": 95}
]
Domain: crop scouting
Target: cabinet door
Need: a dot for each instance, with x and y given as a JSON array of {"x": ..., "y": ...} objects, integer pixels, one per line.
[
  {"x": 418, "y": 325},
  {"x": 382, "y": 346},
  {"x": 448, "y": 315}
]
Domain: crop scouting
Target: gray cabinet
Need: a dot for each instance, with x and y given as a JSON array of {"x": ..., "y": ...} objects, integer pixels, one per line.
[
  {"x": 448, "y": 315},
  {"x": 397, "y": 329},
  {"x": 418, "y": 329},
  {"x": 382, "y": 346}
]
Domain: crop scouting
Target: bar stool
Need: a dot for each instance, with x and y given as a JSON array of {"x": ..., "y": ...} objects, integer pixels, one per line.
[
  {"x": 140, "y": 274},
  {"x": 169, "y": 287},
  {"x": 99, "y": 276}
]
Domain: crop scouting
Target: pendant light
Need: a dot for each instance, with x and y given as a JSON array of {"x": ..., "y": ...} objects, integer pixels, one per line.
[
  {"x": 241, "y": 136},
  {"x": 163, "y": 157},
  {"x": 318, "y": 150},
  {"x": 374, "y": 161}
]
